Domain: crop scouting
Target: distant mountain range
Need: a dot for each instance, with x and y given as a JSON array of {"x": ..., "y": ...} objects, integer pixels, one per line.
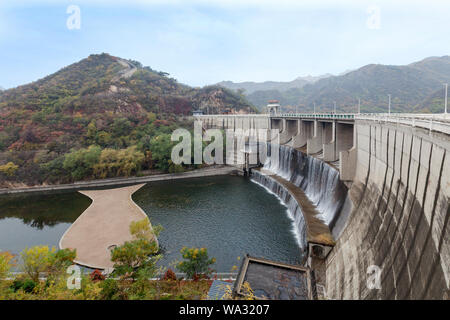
[
  {"x": 416, "y": 87},
  {"x": 249, "y": 87}
]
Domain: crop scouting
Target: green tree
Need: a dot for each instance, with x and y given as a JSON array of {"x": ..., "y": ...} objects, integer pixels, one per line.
[
  {"x": 196, "y": 262},
  {"x": 161, "y": 148},
  {"x": 121, "y": 127},
  {"x": 119, "y": 162},
  {"x": 137, "y": 258},
  {"x": 36, "y": 260},
  {"x": 80, "y": 163},
  {"x": 91, "y": 131}
]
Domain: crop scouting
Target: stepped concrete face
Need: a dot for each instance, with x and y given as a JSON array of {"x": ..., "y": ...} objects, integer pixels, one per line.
[{"x": 395, "y": 240}]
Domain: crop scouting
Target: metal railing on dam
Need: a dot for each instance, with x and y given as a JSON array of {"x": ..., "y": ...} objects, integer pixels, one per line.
[{"x": 432, "y": 121}]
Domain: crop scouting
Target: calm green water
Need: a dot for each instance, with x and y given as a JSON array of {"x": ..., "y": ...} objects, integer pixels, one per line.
[
  {"x": 42, "y": 219},
  {"x": 230, "y": 216}
]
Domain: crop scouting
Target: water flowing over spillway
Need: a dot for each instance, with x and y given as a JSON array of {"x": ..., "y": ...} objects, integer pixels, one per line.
[
  {"x": 294, "y": 211},
  {"x": 319, "y": 181}
]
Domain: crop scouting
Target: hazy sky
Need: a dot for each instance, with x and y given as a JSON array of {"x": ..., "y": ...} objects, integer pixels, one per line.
[{"x": 204, "y": 42}]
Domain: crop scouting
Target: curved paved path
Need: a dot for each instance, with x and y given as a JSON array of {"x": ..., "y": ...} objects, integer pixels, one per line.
[{"x": 104, "y": 223}]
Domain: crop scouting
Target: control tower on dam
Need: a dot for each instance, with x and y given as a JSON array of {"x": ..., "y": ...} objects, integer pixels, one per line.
[{"x": 392, "y": 235}]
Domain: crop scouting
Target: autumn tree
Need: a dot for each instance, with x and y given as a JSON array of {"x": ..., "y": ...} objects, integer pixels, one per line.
[{"x": 9, "y": 169}]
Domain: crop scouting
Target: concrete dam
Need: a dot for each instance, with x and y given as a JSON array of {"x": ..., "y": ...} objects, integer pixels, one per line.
[{"x": 369, "y": 197}]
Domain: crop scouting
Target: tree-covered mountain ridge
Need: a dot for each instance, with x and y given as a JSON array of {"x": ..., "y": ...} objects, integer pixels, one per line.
[
  {"x": 103, "y": 116},
  {"x": 109, "y": 77}
]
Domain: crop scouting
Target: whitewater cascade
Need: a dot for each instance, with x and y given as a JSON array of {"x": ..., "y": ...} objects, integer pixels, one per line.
[{"x": 319, "y": 181}]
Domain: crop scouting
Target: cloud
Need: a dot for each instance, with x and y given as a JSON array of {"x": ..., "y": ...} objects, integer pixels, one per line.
[{"x": 227, "y": 3}]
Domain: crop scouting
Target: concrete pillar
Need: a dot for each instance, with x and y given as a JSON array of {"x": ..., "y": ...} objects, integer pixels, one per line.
[
  {"x": 345, "y": 133},
  {"x": 314, "y": 145},
  {"x": 344, "y": 136},
  {"x": 289, "y": 131},
  {"x": 329, "y": 143},
  {"x": 305, "y": 132},
  {"x": 347, "y": 164}
]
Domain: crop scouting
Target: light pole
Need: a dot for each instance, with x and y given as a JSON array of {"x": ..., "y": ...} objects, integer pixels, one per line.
[
  {"x": 334, "y": 107},
  {"x": 445, "y": 101},
  {"x": 389, "y": 104},
  {"x": 314, "y": 108},
  {"x": 359, "y": 106}
]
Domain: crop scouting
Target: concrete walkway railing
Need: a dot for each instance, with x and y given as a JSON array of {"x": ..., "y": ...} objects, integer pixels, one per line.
[
  {"x": 439, "y": 122},
  {"x": 216, "y": 170}
]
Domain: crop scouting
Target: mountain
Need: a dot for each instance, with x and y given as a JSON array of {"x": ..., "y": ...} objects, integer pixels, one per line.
[
  {"x": 408, "y": 85},
  {"x": 251, "y": 87},
  {"x": 103, "y": 102},
  {"x": 411, "y": 87},
  {"x": 434, "y": 103}
]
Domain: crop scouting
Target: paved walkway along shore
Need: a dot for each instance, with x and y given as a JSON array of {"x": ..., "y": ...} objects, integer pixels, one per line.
[
  {"x": 209, "y": 171},
  {"x": 103, "y": 224}
]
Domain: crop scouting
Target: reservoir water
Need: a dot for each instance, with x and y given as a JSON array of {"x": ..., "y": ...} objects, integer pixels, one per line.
[{"x": 230, "y": 216}]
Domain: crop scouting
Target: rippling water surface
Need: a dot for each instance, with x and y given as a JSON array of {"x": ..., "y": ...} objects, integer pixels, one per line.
[{"x": 230, "y": 216}]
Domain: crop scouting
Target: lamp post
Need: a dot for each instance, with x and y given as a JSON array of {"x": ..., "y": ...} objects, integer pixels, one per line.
[
  {"x": 334, "y": 107},
  {"x": 445, "y": 101},
  {"x": 359, "y": 106},
  {"x": 314, "y": 109},
  {"x": 389, "y": 104}
]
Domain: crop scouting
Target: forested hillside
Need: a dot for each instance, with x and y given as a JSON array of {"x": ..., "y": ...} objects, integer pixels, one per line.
[
  {"x": 101, "y": 117},
  {"x": 413, "y": 88}
]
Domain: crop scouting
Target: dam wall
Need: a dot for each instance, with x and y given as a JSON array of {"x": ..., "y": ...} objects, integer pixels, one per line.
[
  {"x": 396, "y": 241},
  {"x": 391, "y": 230}
]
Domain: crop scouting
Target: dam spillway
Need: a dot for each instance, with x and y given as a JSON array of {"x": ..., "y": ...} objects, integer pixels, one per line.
[{"x": 317, "y": 179}]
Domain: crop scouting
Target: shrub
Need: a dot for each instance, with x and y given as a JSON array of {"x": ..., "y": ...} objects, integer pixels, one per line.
[
  {"x": 196, "y": 263},
  {"x": 28, "y": 286},
  {"x": 97, "y": 275},
  {"x": 110, "y": 289},
  {"x": 16, "y": 285},
  {"x": 169, "y": 275},
  {"x": 6, "y": 260}
]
